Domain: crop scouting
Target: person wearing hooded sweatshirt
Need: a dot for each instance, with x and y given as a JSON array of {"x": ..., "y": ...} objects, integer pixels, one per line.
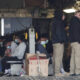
[
  {"x": 58, "y": 39},
  {"x": 74, "y": 36}
]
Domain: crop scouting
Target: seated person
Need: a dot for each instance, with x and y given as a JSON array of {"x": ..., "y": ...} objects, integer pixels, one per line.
[
  {"x": 21, "y": 47},
  {"x": 2, "y": 47},
  {"x": 40, "y": 46},
  {"x": 13, "y": 46},
  {"x": 18, "y": 53},
  {"x": 10, "y": 47}
]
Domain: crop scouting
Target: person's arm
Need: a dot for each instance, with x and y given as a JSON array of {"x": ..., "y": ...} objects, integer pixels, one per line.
[
  {"x": 19, "y": 52},
  {"x": 75, "y": 29},
  {"x": 7, "y": 52}
]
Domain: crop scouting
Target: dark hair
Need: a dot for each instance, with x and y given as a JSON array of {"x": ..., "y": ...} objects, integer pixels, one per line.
[
  {"x": 20, "y": 36},
  {"x": 44, "y": 35},
  {"x": 58, "y": 14},
  {"x": 77, "y": 11}
]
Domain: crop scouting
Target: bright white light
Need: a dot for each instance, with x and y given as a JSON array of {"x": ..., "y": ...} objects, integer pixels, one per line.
[
  {"x": 69, "y": 10},
  {"x": 2, "y": 26}
]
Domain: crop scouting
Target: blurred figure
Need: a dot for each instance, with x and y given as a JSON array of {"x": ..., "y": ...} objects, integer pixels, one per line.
[
  {"x": 58, "y": 39},
  {"x": 41, "y": 46},
  {"x": 75, "y": 44},
  {"x": 8, "y": 48},
  {"x": 13, "y": 46},
  {"x": 2, "y": 47},
  {"x": 21, "y": 47},
  {"x": 17, "y": 55}
]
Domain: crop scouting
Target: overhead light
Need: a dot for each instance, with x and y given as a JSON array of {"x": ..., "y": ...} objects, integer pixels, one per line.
[
  {"x": 72, "y": 10},
  {"x": 2, "y": 26}
]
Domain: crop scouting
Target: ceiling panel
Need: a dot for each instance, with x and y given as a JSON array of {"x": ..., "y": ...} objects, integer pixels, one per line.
[
  {"x": 34, "y": 3},
  {"x": 11, "y": 4}
]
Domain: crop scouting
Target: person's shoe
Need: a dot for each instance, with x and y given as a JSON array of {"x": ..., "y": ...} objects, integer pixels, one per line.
[
  {"x": 66, "y": 74},
  {"x": 77, "y": 74},
  {"x": 72, "y": 74},
  {"x": 59, "y": 75},
  {"x": 1, "y": 74}
]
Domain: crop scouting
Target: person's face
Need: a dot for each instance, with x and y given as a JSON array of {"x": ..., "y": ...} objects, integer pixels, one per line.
[
  {"x": 77, "y": 15},
  {"x": 43, "y": 39},
  {"x": 63, "y": 17},
  {"x": 8, "y": 44},
  {"x": 16, "y": 39}
]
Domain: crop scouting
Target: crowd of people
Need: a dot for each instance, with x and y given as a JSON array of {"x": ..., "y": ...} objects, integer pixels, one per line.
[
  {"x": 14, "y": 49},
  {"x": 59, "y": 38}
]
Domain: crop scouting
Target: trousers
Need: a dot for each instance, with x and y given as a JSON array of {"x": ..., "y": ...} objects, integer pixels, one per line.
[
  {"x": 75, "y": 58},
  {"x": 58, "y": 50}
]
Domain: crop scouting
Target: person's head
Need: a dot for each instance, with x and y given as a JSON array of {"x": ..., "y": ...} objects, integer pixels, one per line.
[
  {"x": 7, "y": 44},
  {"x": 19, "y": 38},
  {"x": 58, "y": 14},
  {"x": 63, "y": 17},
  {"x": 77, "y": 14},
  {"x": 43, "y": 39}
]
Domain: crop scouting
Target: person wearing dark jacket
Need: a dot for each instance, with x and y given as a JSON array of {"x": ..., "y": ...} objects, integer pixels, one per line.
[
  {"x": 74, "y": 36},
  {"x": 40, "y": 46},
  {"x": 58, "y": 39}
]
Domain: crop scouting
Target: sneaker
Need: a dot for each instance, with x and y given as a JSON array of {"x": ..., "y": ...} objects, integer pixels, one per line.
[
  {"x": 7, "y": 71},
  {"x": 77, "y": 74},
  {"x": 59, "y": 75},
  {"x": 72, "y": 74},
  {"x": 66, "y": 74}
]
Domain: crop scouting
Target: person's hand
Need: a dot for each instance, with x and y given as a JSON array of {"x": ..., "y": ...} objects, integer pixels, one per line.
[
  {"x": 9, "y": 55},
  {"x": 7, "y": 52}
]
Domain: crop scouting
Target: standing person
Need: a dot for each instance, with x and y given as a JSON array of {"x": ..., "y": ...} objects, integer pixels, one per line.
[
  {"x": 75, "y": 44},
  {"x": 58, "y": 39}
]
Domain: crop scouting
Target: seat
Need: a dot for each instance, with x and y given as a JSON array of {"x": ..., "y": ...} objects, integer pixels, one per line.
[{"x": 16, "y": 66}]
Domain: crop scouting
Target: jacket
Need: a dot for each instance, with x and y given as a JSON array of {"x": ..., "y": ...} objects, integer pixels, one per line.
[
  {"x": 19, "y": 51},
  {"x": 41, "y": 49},
  {"x": 74, "y": 30},
  {"x": 58, "y": 31}
]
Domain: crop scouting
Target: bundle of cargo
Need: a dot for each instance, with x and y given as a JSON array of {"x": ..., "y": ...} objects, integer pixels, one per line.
[{"x": 37, "y": 65}]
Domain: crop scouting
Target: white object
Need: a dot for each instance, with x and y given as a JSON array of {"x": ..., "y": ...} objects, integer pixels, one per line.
[
  {"x": 31, "y": 40},
  {"x": 19, "y": 51},
  {"x": 50, "y": 69},
  {"x": 7, "y": 71},
  {"x": 13, "y": 46},
  {"x": 72, "y": 10},
  {"x": 62, "y": 71},
  {"x": 2, "y": 26},
  {"x": 15, "y": 69}
]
